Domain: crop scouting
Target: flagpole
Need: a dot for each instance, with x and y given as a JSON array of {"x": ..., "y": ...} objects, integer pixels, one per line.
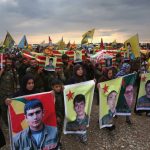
[{"x": 1, "y": 61}]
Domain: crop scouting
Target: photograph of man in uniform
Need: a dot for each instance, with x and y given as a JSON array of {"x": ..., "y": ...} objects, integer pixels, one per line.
[
  {"x": 50, "y": 66},
  {"x": 144, "y": 101},
  {"x": 78, "y": 57},
  {"x": 37, "y": 135},
  {"x": 81, "y": 121},
  {"x": 129, "y": 51},
  {"x": 108, "y": 62},
  {"x": 111, "y": 101}
]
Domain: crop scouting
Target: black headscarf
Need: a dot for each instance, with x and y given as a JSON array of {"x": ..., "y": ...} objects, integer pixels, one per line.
[
  {"x": 76, "y": 78},
  {"x": 23, "y": 90}
]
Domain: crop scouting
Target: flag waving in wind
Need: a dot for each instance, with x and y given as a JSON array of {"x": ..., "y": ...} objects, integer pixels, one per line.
[
  {"x": 9, "y": 41},
  {"x": 23, "y": 43},
  {"x": 132, "y": 47},
  {"x": 89, "y": 34},
  {"x": 78, "y": 101}
]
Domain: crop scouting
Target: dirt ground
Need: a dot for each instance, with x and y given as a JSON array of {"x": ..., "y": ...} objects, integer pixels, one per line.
[{"x": 124, "y": 137}]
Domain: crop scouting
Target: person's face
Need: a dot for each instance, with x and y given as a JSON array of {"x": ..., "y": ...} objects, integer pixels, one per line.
[
  {"x": 79, "y": 108},
  {"x": 112, "y": 100},
  {"x": 129, "y": 95},
  {"x": 147, "y": 89},
  {"x": 110, "y": 74},
  {"x": 30, "y": 85},
  {"x": 33, "y": 63},
  {"x": 50, "y": 62},
  {"x": 34, "y": 117},
  {"x": 129, "y": 47},
  {"x": 57, "y": 88},
  {"x": 80, "y": 71},
  {"x": 128, "y": 70},
  {"x": 77, "y": 56},
  {"x": 65, "y": 60},
  {"x": 25, "y": 61},
  {"x": 99, "y": 67}
]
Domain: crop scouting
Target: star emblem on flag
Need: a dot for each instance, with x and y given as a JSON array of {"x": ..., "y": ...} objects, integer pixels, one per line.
[
  {"x": 105, "y": 88},
  {"x": 70, "y": 95},
  {"x": 143, "y": 78}
]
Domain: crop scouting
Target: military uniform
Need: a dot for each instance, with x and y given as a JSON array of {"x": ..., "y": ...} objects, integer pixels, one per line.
[
  {"x": 143, "y": 101},
  {"x": 78, "y": 124},
  {"x": 8, "y": 85},
  {"x": 60, "y": 112},
  {"x": 108, "y": 118}
]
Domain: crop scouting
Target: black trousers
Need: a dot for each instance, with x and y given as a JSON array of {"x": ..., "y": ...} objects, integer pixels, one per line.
[{"x": 2, "y": 139}]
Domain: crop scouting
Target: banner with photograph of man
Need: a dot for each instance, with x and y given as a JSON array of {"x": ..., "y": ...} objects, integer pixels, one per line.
[
  {"x": 33, "y": 114},
  {"x": 143, "y": 100},
  {"x": 50, "y": 63},
  {"x": 78, "y": 102},
  {"x": 78, "y": 56},
  {"x": 126, "y": 95},
  {"x": 109, "y": 92}
]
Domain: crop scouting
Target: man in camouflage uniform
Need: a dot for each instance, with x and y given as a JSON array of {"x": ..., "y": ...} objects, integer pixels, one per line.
[{"x": 8, "y": 85}]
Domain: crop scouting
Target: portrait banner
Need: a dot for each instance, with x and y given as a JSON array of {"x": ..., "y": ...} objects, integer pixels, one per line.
[
  {"x": 143, "y": 100},
  {"x": 108, "y": 95},
  {"x": 126, "y": 95},
  {"x": 17, "y": 117},
  {"x": 50, "y": 63},
  {"x": 78, "y": 102},
  {"x": 132, "y": 47},
  {"x": 78, "y": 56}
]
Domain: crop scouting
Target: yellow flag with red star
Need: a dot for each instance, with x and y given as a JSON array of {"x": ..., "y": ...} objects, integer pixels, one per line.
[
  {"x": 78, "y": 101},
  {"x": 116, "y": 98},
  {"x": 107, "y": 89}
]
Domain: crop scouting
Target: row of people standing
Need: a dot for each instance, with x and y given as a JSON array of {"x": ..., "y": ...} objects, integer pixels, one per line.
[{"x": 33, "y": 79}]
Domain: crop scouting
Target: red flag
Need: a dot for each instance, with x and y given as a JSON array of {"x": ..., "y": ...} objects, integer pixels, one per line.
[
  {"x": 102, "y": 45},
  {"x": 17, "y": 118}
]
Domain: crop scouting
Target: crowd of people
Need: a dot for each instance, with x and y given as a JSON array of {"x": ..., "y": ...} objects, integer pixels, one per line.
[{"x": 20, "y": 76}]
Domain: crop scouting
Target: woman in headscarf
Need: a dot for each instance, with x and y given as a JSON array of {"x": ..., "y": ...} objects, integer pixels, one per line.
[
  {"x": 125, "y": 69},
  {"x": 78, "y": 75},
  {"x": 108, "y": 74},
  {"x": 27, "y": 86}
]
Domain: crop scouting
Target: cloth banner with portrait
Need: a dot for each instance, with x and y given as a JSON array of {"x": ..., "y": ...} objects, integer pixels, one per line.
[
  {"x": 143, "y": 100},
  {"x": 108, "y": 95},
  {"x": 116, "y": 97},
  {"x": 78, "y": 102},
  {"x": 50, "y": 63},
  {"x": 126, "y": 95},
  {"x": 16, "y": 115}
]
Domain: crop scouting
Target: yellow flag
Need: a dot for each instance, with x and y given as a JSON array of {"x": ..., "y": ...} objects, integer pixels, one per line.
[
  {"x": 84, "y": 40},
  {"x": 61, "y": 44},
  {"x": 132, "y": 46},
  {"x": 89, "y": 34},
  {"x": 9, "y": 41}
]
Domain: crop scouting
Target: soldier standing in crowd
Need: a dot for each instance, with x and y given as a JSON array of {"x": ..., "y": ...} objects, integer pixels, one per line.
[{"x": 8, "y": 85}]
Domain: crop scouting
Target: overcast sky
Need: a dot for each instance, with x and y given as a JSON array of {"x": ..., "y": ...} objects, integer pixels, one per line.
[{"x": 38, "y": 19}]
